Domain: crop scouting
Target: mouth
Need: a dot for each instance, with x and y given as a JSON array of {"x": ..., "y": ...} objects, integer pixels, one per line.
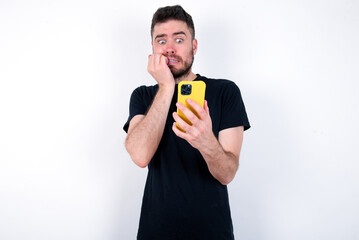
[{"x": 172, "y": 61}]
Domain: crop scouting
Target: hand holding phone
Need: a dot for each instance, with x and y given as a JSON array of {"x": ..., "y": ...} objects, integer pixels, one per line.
[{"x": 194, "y": 90}]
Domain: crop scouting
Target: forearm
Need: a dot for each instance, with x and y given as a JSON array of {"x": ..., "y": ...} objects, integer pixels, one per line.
[
  {"x": 143, "y": 140},
  {"x": 222, "y": 165}
]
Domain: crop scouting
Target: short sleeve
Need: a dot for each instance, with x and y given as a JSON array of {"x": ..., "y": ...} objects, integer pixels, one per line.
[
  {"x": 233, "y": 109},
  {"x": 137, "y": 106}
]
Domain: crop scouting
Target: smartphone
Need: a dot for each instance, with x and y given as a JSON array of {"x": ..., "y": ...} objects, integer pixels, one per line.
[{"x": 194, "y": 90}]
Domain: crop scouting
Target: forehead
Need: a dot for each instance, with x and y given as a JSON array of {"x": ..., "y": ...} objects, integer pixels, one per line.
[{"x": 170, "y": 27}]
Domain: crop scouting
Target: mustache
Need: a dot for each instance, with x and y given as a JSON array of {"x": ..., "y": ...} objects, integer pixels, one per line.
[{"x": 178, "y": 58}]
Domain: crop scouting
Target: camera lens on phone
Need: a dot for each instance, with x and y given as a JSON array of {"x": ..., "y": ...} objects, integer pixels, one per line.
[{"x": 186, "y": 89}]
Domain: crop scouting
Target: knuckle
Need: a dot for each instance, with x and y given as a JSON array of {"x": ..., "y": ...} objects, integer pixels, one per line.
[
  {"x": 200, "y": 111},
  {"x": 200, "y": 133},
  {"x": 201, "y": 129},
  {"x": 192, "y": 118},
  {"x": 196, "y": 135},
  {"x": 184, "y": 127},
  {"x": 198, "y": 108}
]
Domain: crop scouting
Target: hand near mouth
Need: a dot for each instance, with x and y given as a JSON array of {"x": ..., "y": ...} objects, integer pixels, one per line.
[
  {"x": 172, "y": 59},
  {"x": 160, "y": 71}
]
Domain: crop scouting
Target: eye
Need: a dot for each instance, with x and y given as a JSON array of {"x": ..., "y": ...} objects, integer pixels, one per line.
[
  {"x": 161, "y": 41},
  {"x": 179, "y": 40}
]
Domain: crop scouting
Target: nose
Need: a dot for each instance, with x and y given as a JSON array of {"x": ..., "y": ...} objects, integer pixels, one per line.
[{"x": 169, "y": 49}]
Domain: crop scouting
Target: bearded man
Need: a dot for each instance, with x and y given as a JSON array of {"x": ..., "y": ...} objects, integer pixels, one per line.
[{"x": 186, "y": 193}]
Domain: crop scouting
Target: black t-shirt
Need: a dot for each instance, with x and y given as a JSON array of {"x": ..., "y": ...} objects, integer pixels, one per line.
[{"x": 182, "y": 200}]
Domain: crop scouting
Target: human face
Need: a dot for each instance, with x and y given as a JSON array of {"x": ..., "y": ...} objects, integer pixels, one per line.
[{"x": 173, "y": 39}]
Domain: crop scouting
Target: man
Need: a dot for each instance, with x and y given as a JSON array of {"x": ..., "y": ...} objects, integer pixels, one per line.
[{"x": 185, "y": 194}]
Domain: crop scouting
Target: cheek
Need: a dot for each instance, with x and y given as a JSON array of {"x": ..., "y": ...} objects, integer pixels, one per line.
[
  {"x": 157, "y": 50},
  {"x": 189, "y": 54}
]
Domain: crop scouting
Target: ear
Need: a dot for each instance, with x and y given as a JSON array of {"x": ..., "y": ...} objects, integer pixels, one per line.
[{"x": 195, "y": 45}]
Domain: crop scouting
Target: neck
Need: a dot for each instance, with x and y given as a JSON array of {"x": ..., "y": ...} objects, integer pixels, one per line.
[{"x": 188, "y": 77}]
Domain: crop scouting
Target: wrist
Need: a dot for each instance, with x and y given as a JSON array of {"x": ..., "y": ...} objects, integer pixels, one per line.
[
  {"x": 211, "y": 147},
  {"x": 167, "y": 86}
]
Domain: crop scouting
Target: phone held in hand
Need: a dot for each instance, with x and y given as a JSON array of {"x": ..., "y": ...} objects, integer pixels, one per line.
[{"x": 194, "y": 90}]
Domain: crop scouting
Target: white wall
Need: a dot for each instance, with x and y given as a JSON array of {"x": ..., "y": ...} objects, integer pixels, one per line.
[{"x": 67, "y": 69}]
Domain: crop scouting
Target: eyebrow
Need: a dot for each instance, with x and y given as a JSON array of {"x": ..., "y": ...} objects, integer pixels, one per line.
[
  {"x": 174, "y": 34},
  {"x": 179, "y": 33}
]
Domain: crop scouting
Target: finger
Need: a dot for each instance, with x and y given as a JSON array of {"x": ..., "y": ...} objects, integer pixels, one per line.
[
  {"x": 183, "y": 124},
  {"x": 198, "y": 108},
  {"x": 164, "y": 60},
  {"x": 158, "y": 59},
  {"x": 153, "y": 59},
  {"x": 188, "y": 113},
  {"x": 206, "y": 108},
  {"x": 150, "y": 62},
  {"x": 178, "y": 132}
]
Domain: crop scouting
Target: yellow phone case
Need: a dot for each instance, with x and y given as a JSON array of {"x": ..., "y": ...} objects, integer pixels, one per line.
[{"x": 194, "y": 90}]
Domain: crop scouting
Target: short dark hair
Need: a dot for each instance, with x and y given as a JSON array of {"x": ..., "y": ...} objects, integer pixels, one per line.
[{"x": 176, "y": 12}]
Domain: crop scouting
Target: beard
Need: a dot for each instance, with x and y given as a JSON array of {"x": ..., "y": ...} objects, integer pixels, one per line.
[{"x": 187, "y": 65}]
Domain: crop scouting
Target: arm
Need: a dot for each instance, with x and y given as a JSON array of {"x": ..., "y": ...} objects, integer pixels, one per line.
[
  {"x": 145, "y": 131},
  {"x": 222, "y": 155}
]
